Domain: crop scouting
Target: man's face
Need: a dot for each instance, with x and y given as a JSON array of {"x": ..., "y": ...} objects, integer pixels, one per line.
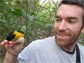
[{"x": 68, "y": 24}]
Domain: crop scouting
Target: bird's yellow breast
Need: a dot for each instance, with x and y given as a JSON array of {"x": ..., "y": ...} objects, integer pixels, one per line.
[{"x": 18, "y": 34}]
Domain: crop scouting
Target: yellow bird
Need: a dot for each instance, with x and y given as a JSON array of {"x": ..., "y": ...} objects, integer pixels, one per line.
[{"x": 13, "y": 36}]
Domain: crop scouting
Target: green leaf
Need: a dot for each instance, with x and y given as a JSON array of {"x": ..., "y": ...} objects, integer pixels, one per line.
[
  {"x": 40, "y": 22},
  {"x": 31, "y": 17},
  {"x": 18, "y": 10},
  {"x": 16, "y": 13},
  {"x": 49, "y": 25},
  {"x": 23, "y": 28},
  {"x": 3, "y": 20},
  {"x": 54, "y": 3}
]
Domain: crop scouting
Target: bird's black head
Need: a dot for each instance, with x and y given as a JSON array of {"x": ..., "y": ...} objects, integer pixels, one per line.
[{"x": 10, "y": 36}]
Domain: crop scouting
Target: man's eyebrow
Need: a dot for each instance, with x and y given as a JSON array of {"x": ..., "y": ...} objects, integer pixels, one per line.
[
  {"x": 57, "y": 16},
  {"x": 72, "y": 18},
  {"x": 67, "y": 17}
]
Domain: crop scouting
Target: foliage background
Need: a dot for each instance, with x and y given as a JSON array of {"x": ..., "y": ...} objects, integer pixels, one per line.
[{"x": 35, "y": 19}]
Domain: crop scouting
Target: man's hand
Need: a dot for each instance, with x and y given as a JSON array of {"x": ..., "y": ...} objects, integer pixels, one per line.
[{"x": 13, "y": 49}]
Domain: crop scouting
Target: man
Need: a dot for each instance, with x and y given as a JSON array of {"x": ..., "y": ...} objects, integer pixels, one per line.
[{"x": 61, "y": 48}]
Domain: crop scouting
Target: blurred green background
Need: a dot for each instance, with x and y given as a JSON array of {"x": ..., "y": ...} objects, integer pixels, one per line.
[{"x": 36, "y": 18}]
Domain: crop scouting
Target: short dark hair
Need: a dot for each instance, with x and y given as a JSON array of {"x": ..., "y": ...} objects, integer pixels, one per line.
[{"x": 75, "y": 2}]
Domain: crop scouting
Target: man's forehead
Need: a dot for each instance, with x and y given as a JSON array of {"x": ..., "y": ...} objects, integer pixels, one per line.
[
  {"x": 76, "y": 7},
  {"x": 69, "y": 9}
]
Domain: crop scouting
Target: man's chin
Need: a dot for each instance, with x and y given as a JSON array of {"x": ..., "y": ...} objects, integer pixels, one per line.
[{"x": 60, "y": 44}]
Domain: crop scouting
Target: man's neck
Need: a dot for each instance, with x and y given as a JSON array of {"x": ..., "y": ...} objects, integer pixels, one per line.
[{"x": 69, "y": 49}]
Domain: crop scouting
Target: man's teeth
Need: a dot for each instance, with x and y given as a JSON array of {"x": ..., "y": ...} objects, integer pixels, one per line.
[{"x": 62, "y": 35}]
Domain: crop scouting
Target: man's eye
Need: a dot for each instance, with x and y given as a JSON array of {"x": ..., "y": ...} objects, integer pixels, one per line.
[
  {"x": 57, "y": 20},
  {"x": 71, "y": 22}
]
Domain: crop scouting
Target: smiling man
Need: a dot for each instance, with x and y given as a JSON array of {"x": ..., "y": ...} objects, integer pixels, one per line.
[
  {"x": 68, "y": 25},
  {"x": 61, "y": 48}
]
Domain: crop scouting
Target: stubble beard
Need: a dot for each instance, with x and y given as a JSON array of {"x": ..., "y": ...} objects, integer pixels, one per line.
[{"x": 70, "y": 42}]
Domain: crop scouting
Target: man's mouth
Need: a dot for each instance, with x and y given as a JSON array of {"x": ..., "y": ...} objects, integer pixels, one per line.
[{"x": 62, "y": 36}]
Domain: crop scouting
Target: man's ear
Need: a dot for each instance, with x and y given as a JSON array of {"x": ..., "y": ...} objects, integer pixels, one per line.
[{"x": 82, "y": 29}]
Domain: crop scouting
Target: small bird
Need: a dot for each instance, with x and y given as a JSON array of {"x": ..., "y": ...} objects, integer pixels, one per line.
[{"x": 14, "y": 35}]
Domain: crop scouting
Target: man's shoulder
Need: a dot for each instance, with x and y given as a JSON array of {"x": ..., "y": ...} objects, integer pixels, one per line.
[
  {"x": 41, "y": 43},
  {"x": 45, "y": 39},
  {"x": 81, "y": 48}
]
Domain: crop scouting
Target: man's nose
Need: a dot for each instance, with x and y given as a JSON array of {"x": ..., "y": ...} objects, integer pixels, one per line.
[{"x": 62, "y": 26}]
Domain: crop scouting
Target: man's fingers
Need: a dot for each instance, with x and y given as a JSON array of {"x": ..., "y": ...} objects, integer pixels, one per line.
[
  {"x": 20, "y": 40},
  {"x": 12, "y": 43},
  {"x": 4, "y": 42},
  {"x": 17, "y": 42}
]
